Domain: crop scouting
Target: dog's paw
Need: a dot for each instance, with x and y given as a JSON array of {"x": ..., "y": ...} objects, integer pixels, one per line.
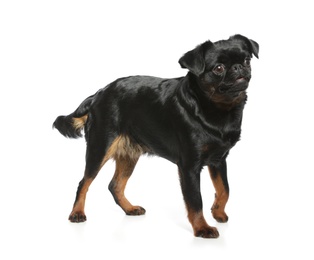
[
  {"x": 220, "y": 216},
  {"x": 207, "y": 232},
  {"x": 135, "y": 211},
  {"x": 77, "y": 216}
]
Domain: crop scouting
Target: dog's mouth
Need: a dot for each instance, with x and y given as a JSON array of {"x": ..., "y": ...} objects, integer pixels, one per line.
[
  {"x": 241, "y": 79},
  {"x": 236, "y": 87}
]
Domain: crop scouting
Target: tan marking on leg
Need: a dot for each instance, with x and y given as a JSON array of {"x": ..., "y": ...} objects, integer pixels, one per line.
[
  {"x": 126, "y": 154},
  {"x": 124, "y": 169},
  {"x": 78, "y": 213},
  {"x": 200, "y": 226},
  {"x": 221, "y": 198}
]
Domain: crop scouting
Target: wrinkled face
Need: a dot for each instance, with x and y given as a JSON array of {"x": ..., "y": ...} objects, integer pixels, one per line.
[{"x": 227, "y": 72}]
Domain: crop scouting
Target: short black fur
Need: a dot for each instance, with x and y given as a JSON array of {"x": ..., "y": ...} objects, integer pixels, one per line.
[{"x": 192, "y": 121}]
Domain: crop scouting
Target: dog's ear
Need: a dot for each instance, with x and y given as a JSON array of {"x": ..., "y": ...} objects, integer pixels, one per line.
[
  {"x": 194, "y": 60},
  {"x": 252, "y": 45}
]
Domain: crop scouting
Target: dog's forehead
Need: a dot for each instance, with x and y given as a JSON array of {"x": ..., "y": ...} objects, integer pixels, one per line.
[{"x": 227, "y": 51}]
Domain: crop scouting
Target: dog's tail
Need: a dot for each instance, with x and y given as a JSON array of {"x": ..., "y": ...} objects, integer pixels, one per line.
[{"x": 71, "y": 126}]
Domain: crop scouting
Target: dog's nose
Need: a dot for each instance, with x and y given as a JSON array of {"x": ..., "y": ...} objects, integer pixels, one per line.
[{"x": 237, "y": 67}]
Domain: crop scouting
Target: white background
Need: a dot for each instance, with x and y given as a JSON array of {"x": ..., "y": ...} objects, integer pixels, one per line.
[{"x": 53, "y": 54}]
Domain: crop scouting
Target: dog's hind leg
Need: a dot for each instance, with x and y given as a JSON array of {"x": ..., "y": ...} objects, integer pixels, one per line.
[
  {"x": 78, "y": 214},
  {"x": 96, "y": 156},
  {"x": 124, "y": 168}
]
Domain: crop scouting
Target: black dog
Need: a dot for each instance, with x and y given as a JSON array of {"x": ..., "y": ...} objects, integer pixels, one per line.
[{"x": 192, "y": 121}]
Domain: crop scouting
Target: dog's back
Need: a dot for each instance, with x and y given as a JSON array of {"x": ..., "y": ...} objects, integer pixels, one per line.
[{"x": 130, "y": 107}]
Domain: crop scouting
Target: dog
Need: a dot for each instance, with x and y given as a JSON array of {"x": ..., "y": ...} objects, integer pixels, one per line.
[{"x": 192, "y": 121}]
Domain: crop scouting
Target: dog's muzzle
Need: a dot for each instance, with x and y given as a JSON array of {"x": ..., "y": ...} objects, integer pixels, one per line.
[{"x": 235, "y": 88}]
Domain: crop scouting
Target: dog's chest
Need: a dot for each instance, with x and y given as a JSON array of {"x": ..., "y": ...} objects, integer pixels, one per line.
[{"x": 217, "y": 146}]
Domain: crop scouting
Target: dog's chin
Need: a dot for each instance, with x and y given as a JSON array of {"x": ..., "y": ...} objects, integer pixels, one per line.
[{"x": 234, "y": 89}]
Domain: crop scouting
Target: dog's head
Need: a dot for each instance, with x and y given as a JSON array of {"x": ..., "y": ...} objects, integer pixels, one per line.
[{"x": 223, "y": 68}]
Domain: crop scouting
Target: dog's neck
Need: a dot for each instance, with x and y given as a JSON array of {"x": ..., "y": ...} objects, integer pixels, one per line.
[
  {"x": 211, "y": 98},
  {"x": 228, "y": 104}
]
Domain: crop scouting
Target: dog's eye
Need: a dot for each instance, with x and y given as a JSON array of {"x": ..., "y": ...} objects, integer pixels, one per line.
[
  {"x": 247, "y": 62},
  {"x": 219, "y": 69}
]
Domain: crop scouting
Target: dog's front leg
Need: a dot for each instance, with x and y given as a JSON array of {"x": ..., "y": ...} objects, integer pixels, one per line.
[
  {"x": 190, "y": 184},
  {"x": 218, "y": 175}
]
